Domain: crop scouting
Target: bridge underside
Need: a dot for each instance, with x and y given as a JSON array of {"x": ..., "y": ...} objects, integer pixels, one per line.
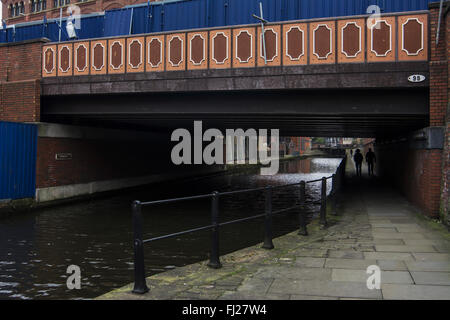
[{"x": 337, "y": 112}]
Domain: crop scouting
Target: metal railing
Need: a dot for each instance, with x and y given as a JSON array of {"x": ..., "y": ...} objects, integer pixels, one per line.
[{"x": 140, "y": 285}]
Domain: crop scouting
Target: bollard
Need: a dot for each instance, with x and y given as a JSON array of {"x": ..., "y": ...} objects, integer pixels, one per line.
[
  {"x": 140, "y": 286},
  {"x": 268, "y": 244},
  {"x": 302, "y": 231},
  {"x": 323, "y": 205},
  {"x": 214, "y": 260}
]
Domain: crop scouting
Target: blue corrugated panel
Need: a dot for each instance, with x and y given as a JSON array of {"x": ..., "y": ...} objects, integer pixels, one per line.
[
  {"x": 17, "y": 160},
  {"x": 190, "y": 14},
  {"x": 117, "y": 22}
]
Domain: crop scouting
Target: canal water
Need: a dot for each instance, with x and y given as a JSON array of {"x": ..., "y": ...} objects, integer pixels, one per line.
[{"x": 36, "y": 248}]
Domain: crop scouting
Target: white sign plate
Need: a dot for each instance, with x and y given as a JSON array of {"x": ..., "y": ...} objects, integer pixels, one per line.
[{"x": 416, "y": 78}]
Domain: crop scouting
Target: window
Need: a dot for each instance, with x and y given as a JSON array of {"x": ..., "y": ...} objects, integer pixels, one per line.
[
  {"x": 61, "y": 3},
  {"x": 21, "y": 7},
  {"x": 44, "y": 5},
  {"x": 32, "y": 6},
  {"x": 11, "y": 10},
  {"x": 38, "y": 5},
  {"x": 16, "y": 13}
]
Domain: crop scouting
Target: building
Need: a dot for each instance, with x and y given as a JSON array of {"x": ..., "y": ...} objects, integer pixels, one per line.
[{"x": 18, "y": 11}]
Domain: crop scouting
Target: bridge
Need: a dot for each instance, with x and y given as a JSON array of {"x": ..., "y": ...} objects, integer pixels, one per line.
[{"x": 341, "y": 76}]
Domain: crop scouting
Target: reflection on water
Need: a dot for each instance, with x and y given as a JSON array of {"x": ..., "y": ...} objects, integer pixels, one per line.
[{"x": 37, "y": 248}]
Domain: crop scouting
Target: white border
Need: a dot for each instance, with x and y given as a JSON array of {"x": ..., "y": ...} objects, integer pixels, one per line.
[
  {"x": 181, "y": 48},
  {"x": 93, "y": 56},
  {"x": 303, "y": 43},
  {"x": 360, "y": 39},
  {"x": 251, "y": 46},
  {"x": 59, "y": 58},
  {"x": 160, "y": 52},
  {"x": 403, "y": 37},
  {"x": 190, "y": 49},
  {"x": 111, "y": 56},
  {"x": 213, "y": 45},
  {"x": 54, "y": 60},
  {"x": 314, "y": 41},
  {"x": 390, "y": 38},
  {"x": 76, "y": 57},
  {"x": 129, "y": 54},
  {"x": 276, "y": 45}
]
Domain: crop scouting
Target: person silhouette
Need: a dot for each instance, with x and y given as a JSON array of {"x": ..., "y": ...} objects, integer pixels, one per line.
[
  {"x": 370, "y": 159},
  {"x": 358, "y": 158}
]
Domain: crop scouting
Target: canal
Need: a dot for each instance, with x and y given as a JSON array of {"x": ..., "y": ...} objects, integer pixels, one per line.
[{"x": 37, "y": 247}]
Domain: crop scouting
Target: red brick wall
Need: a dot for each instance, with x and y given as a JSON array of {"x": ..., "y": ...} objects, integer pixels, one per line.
[
  {"x": 445, "y": 195},
  {"x": 20, "y": 73},
  {"x": 20, "y": 101},
  {"x": 20, "y": 60},
  {"x": 89, "y": 6},
  {"x": 96, "y": 160},
  {"x": 438, "y": 70},
  {"x": 417, "y": 173}
]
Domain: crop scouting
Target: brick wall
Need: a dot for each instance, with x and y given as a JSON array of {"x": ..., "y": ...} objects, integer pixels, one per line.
[
  {"x": 20, "y": 101},
  {"x": 97, "y": 160},
  {"x": 20, "y": 60},
  {"x": 86, "y": 7},
  {"x": 416, "y": 173},
  {"x": 20, "y": 73},
  {"x": 445, "y": 194}
]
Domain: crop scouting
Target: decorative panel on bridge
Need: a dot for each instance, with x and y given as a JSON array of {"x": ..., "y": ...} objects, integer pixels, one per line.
[
  {"x": 272, "y": 47},
  {"x": 98, "y": 57},
  {"x": 322, "y": 42},
  {"x": 351, "y": 40},
  {"x": 65, "y": 59},
  {"x": 244, "y": 47},
  {"x": 81, "y": 58},
  {"x": 197, "y": 50},
  {"x": 401, "y": 37},
  {"x": 136, "y": 54},
  {"x": 175, "y": 48},
  {"x": 413, "y": 37},
  {"x": 116, "y": 55},
  {"x": 220, "y": 49},
  {"x": 155, "y": 58},
  {"x": 295, "y": 40}
]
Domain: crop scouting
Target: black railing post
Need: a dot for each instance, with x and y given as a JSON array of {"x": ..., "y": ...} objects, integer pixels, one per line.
[
  {"x": 140, "y": 286},
  {"x": 214, "y": 260},
  {"x": 268, "y": 244},
  {"x": 334, "y": 193},
  {"x": 301, "y": 215},
  {"x": 323, "y": 205}
]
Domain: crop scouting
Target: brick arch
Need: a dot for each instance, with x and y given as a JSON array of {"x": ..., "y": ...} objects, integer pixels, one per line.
[{"x": 114, "y": 5}]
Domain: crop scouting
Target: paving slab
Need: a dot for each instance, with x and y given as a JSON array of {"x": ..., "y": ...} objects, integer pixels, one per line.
[
  {"x": 349, "y": 263},
  {"x": 436, "y": 278},
  {"x": 432, "y": 256},
  {"x": 361, "y": 276},
  {"x": 287, "y": 272},
  {"x": 397, "y": 235},
  {"x": 415, "y": 292},
  {"x": 433, "y": 266},
  {"x": 309, "y": 262},
  {"x": 324, "y": 288},
  {"x": 345, "y": 254},
  {"x": 305, "y": 297},
  {"x": 405, "y": 248},
  {"x": 392, "y": 265},
  {"x": 404, "y": 256}
]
